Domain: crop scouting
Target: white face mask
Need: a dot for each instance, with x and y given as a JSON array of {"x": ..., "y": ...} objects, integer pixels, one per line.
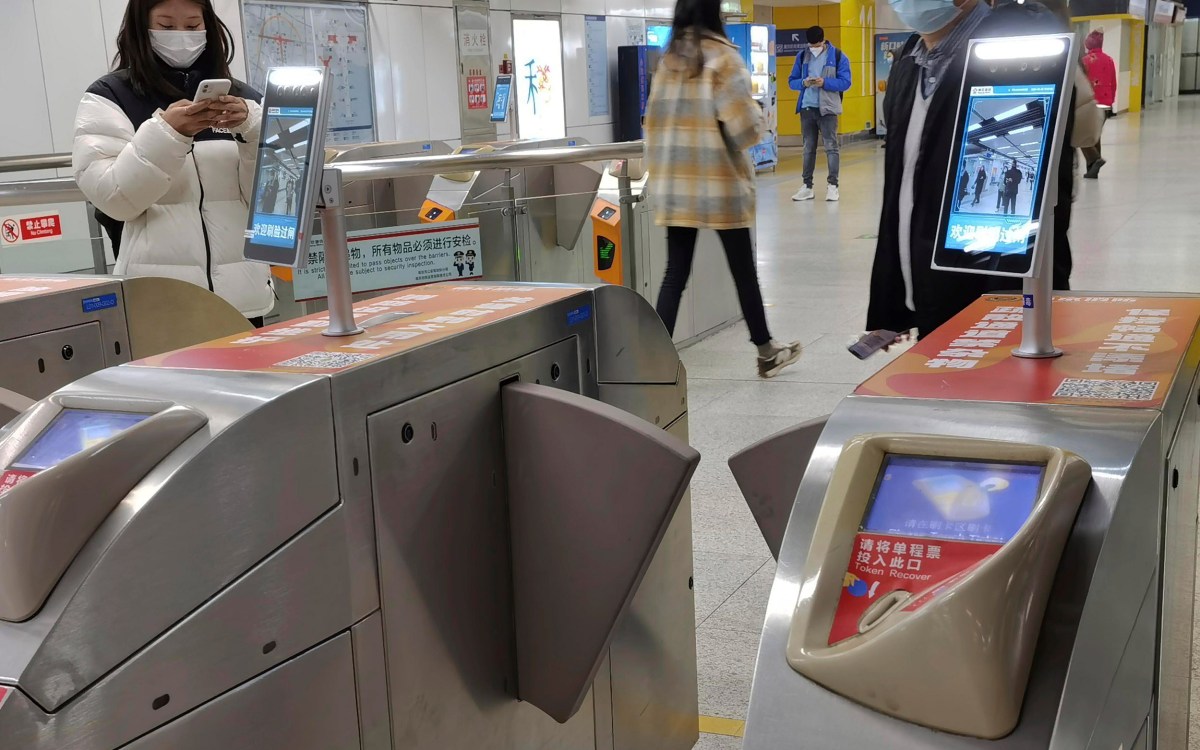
[
  {"x": 179, "y": 49},
  {"x": 818, "y": 49}
]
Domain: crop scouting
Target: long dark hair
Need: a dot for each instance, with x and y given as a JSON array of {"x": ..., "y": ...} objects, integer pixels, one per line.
[
  {"x": 135, "y": 55},
  {"x": 694, "y": 19}
]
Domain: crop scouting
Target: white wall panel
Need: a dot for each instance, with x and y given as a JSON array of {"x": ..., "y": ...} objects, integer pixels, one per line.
[
  {"x": 574, "y": 71},
  {"x": 379, "y": 33},
  {"x": 27, "y": 131},
  {"x": 537, "y": 6},
  {"x": 73, "y": 56},
  {"x": 585, "y": 7},
  {"x": 441, "y": 73},
  {"x": 500, "y": 39},
  {"x": 405, "y": 55},
  {"x": 626, "y": 7},
  {"x": 663, "y": 10},
  {"x": 230, "y": 11},
  {"x": 112, "y": 12}
]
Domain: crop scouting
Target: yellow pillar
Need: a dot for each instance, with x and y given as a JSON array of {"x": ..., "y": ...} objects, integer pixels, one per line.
[
  {"x": 1137, "y": 44},
  {"x": 849, "y": 26}
]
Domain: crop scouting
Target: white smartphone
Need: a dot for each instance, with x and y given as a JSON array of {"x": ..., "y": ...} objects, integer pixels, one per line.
[{"x": 212, "y": 88}]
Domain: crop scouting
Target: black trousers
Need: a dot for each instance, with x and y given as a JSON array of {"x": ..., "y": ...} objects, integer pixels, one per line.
[{"x": 681, "y": 248}]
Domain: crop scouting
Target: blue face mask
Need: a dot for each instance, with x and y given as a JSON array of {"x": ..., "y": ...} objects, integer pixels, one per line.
[{"x": 925, "y": 16}]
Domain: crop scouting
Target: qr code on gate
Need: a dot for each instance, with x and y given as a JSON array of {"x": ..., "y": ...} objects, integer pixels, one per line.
[
  {"x": 325, "y": 360},
  {"x": 1107, "y": 390}
]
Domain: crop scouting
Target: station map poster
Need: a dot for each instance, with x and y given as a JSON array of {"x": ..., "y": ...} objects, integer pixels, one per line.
[
  {"x": 280, "y": 34},
  {"x": 595, "y": 42}
]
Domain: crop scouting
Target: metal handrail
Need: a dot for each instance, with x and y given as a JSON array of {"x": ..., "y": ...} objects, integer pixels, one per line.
[
  {"x": 64, "y": 189},
  {"x": 36, "y": 192},
  {"x": 34, "y": 162},
  {"x": 424, "y": 166}
]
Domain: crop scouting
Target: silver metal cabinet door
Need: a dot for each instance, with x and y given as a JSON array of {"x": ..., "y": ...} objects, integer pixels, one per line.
[
  {"x": 306, "y": 704},
  {"x": 445, "y": 568}
]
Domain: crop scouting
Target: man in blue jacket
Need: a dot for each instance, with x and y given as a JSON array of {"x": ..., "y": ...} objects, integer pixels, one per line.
[{"x": 821, "y": 74}]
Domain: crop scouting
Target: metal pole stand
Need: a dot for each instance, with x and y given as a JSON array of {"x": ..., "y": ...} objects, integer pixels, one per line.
[
  {"x": 337, "y": 257},
  {"x": 1037, "y": 336}
]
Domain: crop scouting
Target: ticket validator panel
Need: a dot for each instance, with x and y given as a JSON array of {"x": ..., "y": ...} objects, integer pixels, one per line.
[
  {"x": 935, "y": 556},
  {"x": 81, "y": 458}
]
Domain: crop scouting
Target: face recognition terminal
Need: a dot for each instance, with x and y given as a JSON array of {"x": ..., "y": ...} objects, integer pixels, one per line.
[
  {"x": 999, "y": 555},
  {"x": 500, "y": 102},
  {"x": 290, "y": 162},
  {"x": 954, "y": 574},
  {"x": 384, "y": 564},
  {"x": 1010, "y": 123}
]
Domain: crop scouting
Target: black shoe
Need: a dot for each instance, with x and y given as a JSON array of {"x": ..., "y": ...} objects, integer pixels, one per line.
[{"x": 1093, "y": 169}]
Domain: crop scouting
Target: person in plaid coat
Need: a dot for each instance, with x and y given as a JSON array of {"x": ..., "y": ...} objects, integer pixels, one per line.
[{"x": 700, "y": 123}]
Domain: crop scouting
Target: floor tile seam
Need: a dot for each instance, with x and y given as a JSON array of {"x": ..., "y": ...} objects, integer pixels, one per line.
[{"x": 731, "y": 595}]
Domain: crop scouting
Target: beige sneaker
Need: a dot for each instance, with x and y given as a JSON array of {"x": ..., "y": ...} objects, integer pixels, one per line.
[
  {"x": 784, "y": 355},
  {"x": 804, "y": 194}
]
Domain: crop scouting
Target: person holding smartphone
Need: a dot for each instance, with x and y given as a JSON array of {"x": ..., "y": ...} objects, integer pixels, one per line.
[
  {"x": 821, "y": 74},
  {"x": 169, "y": 164}
]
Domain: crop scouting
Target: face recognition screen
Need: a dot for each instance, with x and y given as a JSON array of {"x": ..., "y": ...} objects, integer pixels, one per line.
[
  {"x": 999, "y": 165},
  {"x": 72, "y": 431},
  {"x": 290, "y": 158},
  {"x": 970, "y": 501},
  {"x": 994, "y": 195},
  {"x": 283, "y": 160},
  {"x": 501, "y": 99}
]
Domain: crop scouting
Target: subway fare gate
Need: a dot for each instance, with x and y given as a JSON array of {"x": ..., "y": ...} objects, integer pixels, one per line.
[
  {"x": 993, "y": 542},
  {"x": 465, "y": 527},
  {"x": 454, "y": 516}
]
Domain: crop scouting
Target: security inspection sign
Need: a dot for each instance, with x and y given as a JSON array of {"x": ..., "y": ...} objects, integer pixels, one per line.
[
  {"x": 396, "y": 257},
  {"x": 20, "y": 230}
]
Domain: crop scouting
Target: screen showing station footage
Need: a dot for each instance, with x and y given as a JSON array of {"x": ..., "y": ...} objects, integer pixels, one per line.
[
  {"x": 72, "y": 431},
  {"x": 998, "y": 171},
  {"x": 970, "y": 501},
  {"x": 279, "y": 182}
]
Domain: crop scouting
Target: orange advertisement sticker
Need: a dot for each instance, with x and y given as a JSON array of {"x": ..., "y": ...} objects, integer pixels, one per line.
[
  {"x": 1117, "y": 351},
  {"x": 422, "y": 315}
]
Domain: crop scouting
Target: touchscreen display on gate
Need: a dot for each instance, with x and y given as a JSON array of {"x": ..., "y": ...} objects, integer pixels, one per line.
[
  {"x": 72, "y": 431},
  {"x": 970, "y": 501}
]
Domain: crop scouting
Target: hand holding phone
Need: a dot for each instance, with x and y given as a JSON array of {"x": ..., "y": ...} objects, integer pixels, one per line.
[
  {"x": 872, "y": 342},
  {"x": 213, "y": 88},
  {"x": 188, "y": 118}
]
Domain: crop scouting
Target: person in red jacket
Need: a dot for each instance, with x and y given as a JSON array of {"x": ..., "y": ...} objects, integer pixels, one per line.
[{"x": 1102, "y": 72}]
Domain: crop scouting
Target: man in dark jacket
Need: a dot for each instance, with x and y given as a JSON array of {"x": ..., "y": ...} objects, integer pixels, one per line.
[
  {"x": 924, "y": 89},
  {"x": 1012, "y": 184}
]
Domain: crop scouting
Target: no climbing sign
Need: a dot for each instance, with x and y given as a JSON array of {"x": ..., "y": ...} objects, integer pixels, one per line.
[{"x": 19, "y": 230}]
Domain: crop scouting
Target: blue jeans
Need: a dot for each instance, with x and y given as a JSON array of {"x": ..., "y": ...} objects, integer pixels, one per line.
[{"x": 812, "y": 122}]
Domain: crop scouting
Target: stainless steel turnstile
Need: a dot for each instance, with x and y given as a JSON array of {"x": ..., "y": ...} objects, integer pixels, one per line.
[
  {"x": 1112, "y": 666},
  {"x": 464, "y": 528},
  {"x": 55, "y": 329}
]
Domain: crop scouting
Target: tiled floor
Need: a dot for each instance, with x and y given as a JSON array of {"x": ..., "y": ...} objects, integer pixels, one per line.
[{"x": 1135, "y": 228}]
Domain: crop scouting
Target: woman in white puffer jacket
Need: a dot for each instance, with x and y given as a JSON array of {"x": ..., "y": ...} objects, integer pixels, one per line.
[{"x": 170, "y": 178}]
